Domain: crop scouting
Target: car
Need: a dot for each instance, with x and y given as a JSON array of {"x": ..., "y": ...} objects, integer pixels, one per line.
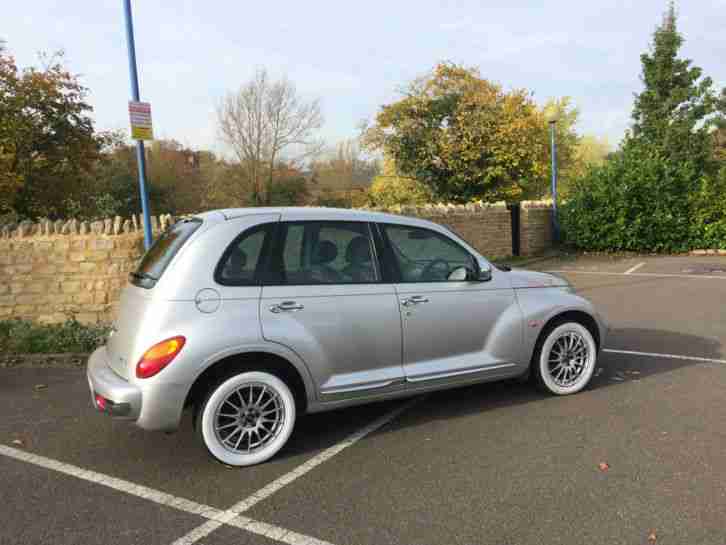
[{"x": 252, "y": 317}]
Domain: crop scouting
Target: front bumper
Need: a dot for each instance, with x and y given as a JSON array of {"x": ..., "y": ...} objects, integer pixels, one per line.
[{"x": 121, "y": 399}]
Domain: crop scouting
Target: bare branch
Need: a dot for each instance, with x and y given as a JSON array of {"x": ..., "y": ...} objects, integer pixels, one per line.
[{"x": 266, "y": 120}]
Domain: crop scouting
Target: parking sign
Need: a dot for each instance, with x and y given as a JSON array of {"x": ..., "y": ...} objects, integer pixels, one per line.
[{"x": 140, "y": 117}]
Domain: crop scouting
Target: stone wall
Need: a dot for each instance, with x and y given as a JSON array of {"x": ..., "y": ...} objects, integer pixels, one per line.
[
  {"x": 535, "y": 227},
  {"x": 51, "y": 271}
]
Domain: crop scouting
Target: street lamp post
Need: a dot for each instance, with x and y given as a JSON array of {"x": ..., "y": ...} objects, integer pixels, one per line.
[
  {"x": 140, "y": 155},
  {"x": 553, "y": 145}
]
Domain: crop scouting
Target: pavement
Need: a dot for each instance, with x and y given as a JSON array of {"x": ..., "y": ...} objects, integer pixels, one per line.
[{"x": 636, "y": 458}]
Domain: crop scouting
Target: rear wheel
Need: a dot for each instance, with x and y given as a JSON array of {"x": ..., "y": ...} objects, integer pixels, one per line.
[
  {"x": 565, "y": 359},
  {"x": 246, "y": 418}
]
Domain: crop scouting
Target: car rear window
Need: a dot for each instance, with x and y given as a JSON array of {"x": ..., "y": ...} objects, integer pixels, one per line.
[{"x": 158, "y": 257}]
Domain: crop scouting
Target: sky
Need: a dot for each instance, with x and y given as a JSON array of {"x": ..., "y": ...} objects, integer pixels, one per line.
[{"x": 355, "y": 56}]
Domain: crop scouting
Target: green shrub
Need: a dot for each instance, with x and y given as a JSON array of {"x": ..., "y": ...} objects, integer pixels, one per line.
[
  {"x": 638, "y": 201},
  {"x": 708, "y": 205},
  {"x": 26, "y": 337}
]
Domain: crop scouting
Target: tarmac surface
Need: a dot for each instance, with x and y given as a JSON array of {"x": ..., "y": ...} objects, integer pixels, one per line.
[{"x": 637, "y": 458}]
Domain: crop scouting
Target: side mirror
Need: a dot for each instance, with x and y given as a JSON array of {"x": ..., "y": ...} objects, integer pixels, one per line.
[{"x": 485, "y": 274}]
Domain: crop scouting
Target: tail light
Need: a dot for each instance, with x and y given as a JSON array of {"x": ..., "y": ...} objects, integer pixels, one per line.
[
  {"x": 159, "y": 356},
  {"x": 100, "y": 402}
]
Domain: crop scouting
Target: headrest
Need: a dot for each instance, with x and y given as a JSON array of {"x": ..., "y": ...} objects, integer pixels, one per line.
[
  {"x": 358, "y": 251},
  {"x": 237, "y": 260},
  {"x": 325, "y": 252}
]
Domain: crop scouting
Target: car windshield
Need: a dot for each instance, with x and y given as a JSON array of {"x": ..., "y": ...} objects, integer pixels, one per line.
[{"x": 158, "y": 257}]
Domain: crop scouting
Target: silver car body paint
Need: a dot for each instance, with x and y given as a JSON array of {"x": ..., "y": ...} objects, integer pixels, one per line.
[{"x": 350, "y": 344}]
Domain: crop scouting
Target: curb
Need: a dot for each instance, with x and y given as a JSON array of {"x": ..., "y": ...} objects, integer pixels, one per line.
[
  {"x": 69, "y": 360},
  {"x": 525, "y": 262},
  {"x": 707, "y": 252}
]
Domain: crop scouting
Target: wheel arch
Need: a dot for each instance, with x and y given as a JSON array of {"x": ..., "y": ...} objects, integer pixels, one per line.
[
  {"x": 572, "y": 315},
  {"x": 258, "y": 360}
]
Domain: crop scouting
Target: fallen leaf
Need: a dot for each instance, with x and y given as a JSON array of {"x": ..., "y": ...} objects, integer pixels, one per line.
[
  {"x": 603, "y": 466},
  {"x": 17, "y": 442},
  {"x": 40, "y": 387},
  {"x": 652, "y": 538}
]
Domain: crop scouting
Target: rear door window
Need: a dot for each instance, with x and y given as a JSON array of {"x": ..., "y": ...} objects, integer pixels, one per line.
[
  {"x": 324, "y": 252},
  {"x": 158, "y": 257}
]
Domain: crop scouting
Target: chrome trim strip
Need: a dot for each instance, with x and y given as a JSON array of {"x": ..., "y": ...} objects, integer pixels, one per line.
[
  {"x": 464, "y": 372},
  {"x": 374, "y": 386}
]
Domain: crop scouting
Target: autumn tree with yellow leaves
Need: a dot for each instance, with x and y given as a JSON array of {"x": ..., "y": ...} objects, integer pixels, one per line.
[{"x": 465, "y": 138}]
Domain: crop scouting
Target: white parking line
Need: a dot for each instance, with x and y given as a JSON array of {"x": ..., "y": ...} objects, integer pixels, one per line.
[
  {"x": 276, "y": 533},
  {"x": 244, "y": 505},
  {"x": 574, "y": 271},
  {"x": 631, "y": 270},
  {"x": 667, "y": 356},
  {"x": 214, "y": 515},
  {"x": 112, "y": 482}
]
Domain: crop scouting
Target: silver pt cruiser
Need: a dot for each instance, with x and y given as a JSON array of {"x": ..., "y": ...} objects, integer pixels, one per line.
[{"x": 252, "y": 317}]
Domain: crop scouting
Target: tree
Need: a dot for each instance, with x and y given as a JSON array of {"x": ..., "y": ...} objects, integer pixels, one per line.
[
  {"x": 346, "y": 168},
  {"x": 341, "y": 178},
  {"x": 719, "y": 141},
  {"x": 47, "y": 138},
  {"x": 176, "y": 176},
  {"x": 290, "y": 188},
  {"x": 662, "y": 190},
  {"x": 589, "y": 151},
  {"x": 464, "y": 137},
  {"x": 675, "y": 110},
  {"x": 390, "y": 189},
  {"x": 567, "y": 138},
  {"x": 265, "y": 120}
]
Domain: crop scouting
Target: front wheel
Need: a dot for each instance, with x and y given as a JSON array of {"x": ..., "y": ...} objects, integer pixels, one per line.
[
  {"x": 246, "y": 418},
  {"x": 566, "y": 359}
]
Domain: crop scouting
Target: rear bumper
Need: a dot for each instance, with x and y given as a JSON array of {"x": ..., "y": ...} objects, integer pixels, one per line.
[
  {"x": 152, "y": 404},
  {"x": 123, "y": 399}
]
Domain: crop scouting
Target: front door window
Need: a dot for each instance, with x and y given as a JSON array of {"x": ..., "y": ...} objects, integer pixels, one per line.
[{"x": 423, "y": 255}]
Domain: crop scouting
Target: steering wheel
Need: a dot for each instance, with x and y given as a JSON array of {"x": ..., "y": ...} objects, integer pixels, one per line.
[{"x": 430, "y": 270}]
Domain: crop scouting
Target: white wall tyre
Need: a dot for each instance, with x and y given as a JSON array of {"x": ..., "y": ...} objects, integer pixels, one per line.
[
  {"x": 566, "y": 359},
  {"x": 247, "y": 418}
]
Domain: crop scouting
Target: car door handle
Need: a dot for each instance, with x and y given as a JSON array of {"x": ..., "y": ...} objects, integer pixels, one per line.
[
  {"x": 286, "y": 306},
  {"x": 414, "y": 300}
]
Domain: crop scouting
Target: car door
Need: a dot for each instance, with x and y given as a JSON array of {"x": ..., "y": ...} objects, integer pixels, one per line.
[
  {"x": 452, "y": 329},
  {"x": 324, "y": 299}
]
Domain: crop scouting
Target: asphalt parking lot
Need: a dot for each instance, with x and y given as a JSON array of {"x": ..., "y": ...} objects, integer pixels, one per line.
[{"x": 637, "y": 458}]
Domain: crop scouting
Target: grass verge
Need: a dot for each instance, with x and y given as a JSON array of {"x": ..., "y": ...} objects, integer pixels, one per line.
[{"x": 27, "y": 337}]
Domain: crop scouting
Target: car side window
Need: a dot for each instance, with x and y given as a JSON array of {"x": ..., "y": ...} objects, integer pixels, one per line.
[
  {"x": 324, "y": 252},
  {"x": 423, "y": 255},
  {"x": 242, "y": 260}
]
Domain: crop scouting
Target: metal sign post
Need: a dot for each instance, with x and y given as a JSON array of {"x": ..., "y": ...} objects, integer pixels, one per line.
[{"x": 140, "y": 156}]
